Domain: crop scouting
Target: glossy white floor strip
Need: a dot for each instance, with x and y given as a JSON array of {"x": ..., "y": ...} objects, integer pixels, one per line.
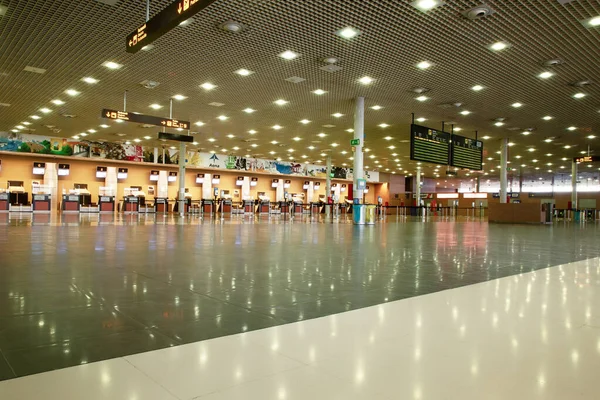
[{"x": 533, "y": 336}]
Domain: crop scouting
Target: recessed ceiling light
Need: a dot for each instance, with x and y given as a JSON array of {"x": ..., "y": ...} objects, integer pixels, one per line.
[
  {"x": 579, "y": 95},
  {"x": 277, "y": 127},
  {"x": 547, "y": 118},
  {"x": 288, "y": 55},
  {"x": 465, "y": 112},
  {"x": 223, "y": 117},
  {"x": 510, "y": 144},
  {"x": 591, "y": 22},
  {"x": 58, "y": 102},
  {"x": 545, "y": 75},
  {"x": 486, "y": 137},
  {"x": 421, "y": 119},
  {"x": 199, "y": 123},
  {"x": 291, "y": 150},
  {"x": 423, "y": 65},
  {"x": 477, "y": 88},
  {"x": 525, "y": 133},
  {"x": 90, "y": 80},
  {"x": 83, "y": 134},
  {"x": 155, "y": 106},
  {"x": 148, "y": 47},
  {"x": 304, "y": 121},
  {"x": 498, "y": 46},
  {"x": 334, "y": 145},
  {"x": 365, "y": 80},
  {"x": 272, "y": 152},
  {"x": 388, "y": 138},
  {"x": 20, "y": 127},
  {"x": 322, "y": 135},
  {"x": 591, "y": 137},
  {"x": 422, "y": 98},
  {"x": 208, "y": 86},
  {"x": 383, "y": 125},
  {"x": 426, "y": 5},
  {"x": 376, "y": 107},
  {"x": 187, "y": 22},
  {"x": 567, "y": 146},
  {"x": 337, "y": 115},
  {"x": 319, "y": 91},
  {"x": 350, "y": 130},
  {"x": 91, "y": 130},
  {"x": 297, "y": 139},
  {"x": 230, "y": 136},
  {"x": 179, "y": 97},
  {"x": 45, "y": 110},
  {"x": 457, "y": 129},
  {"x": 71, "y": 92},
  {"x": 212, "y": 140},
  {"x": 311, "y": 147},
  {"x": 244, "y": 72},
  {"x": 136, "y": 140},
  {"x": 253, "y": 145},
  {"x": 249, "y": 110},
  {"x": 252, "y": 131},
  {"x": 531, "y": 150},
  {"x": 112, "y": 65},
  {"x": 516, "y": 105},
  {"x": 119, "y": 121},
  {"x": 347, "y": 33},
  {"x": 571, "y": 128},
  {"x": 25, "y": 123},
  {"x": 548, "y": 140},
  {"x": 280, "y": 102},
  {"x": 34, "y": 117}
]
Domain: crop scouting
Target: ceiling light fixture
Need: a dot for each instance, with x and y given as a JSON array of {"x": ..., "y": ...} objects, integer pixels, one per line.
[
  {"x": 571, "y": 128},
  {"x": 421, "y": 119},
  {"x": 199, "y": 123},
  {"x": 34, "y": 117},
  {"x": 422, "y": 98},
  {"x": 208, "y": 86},
  {"x": 337, "y": 115},
  {"x": 252, "y": 131},
  {"x": 348, "y": 32},
  {"x": 547, "y": 118},
  {"x": 277, "y": 127},
  {"x": 57, "y": 102},
  {"x": 280, "y": 102},
  {"x": 383, "y": 125},
  {"x": 426, "y": 5},
  {"x": 591, "y": 22},
  {"x": 223, "y": 117},
  {"x": 477, "y": 88},
  {"x": 322, "y": 135},
  {"x": 525, "y": 133},
  {"x": 244, "y": 72},
  {"x": 319, "y": 92},
  {"x": 498, "y": 46},
  {"x": 376, "y": 108},
  {"x": 465, "y": 112},
  {"x": 72, "y": 92},
  {"x": 516, "y": 105},
  {"x": 304, "y": 121},
  {"x": 155, "y": 106},
  {"x": 45, "y": 110},
  {"x": 423, "y": 65},
  {"x": 112, "y": 65},
  {"x": 579, "y": 95},
  {"x": 179, "y": 97},
  {"x": 89, "y": 80},
  {"x": 288, "y": 55},
  {"x": 249, "y": 110},
  {"x": 365, "y": 80},
  {"x": 297, "y": 139},
  {"x": 545, "y": 75}
]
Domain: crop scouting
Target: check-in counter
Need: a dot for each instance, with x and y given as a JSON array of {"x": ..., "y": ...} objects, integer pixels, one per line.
[
  {"x": 106, "y": 204},
  {"x": 226, "y": 206},
  {"x": 187, "y": 202},
  {"x": 131, "y": 204},
  {"x": 208, "y": 206},
  {"x": 41, "y": 203},
  {"x": 4, "y": 202},
  {"x": 284, "y": 206},
  {"x": 71, "y": 203},
  {"x": 248, "y": 206},
  {"x": 161, "y": 205}
]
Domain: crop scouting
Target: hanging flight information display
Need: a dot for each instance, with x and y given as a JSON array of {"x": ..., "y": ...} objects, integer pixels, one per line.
[
  {"x": 145, "y": 119},
  {"x": 429, "y": 145},
  {"x": 466, "y": 153},
  {"x": 438, "y": 147}
]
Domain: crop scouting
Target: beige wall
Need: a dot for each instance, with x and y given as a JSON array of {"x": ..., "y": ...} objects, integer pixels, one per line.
[{"x": 16, "y": 166}]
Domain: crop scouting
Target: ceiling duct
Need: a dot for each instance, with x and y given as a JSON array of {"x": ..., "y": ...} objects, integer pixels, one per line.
[{"x": 478, "y": 12}]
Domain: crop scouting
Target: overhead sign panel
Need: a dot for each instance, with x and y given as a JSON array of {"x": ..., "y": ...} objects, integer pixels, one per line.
[
  {"x": 177, "y": 138},
  {"x": 466, "y": 153},
  {"x": 163, "y": 22},
  {"x": 145, "y": 119},
  {"x": 586, "y": 159},
  {"x": 429, "y": 145}
]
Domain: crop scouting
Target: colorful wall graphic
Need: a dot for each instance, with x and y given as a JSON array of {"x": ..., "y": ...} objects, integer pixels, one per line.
[{"x": 26, "y": 143}]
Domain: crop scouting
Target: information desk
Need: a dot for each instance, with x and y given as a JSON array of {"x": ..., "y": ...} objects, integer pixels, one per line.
[
  {"x": 71, "y": 203},
  {"x": 208, "y": 206},
  {"x": 4, "y": 202},
  {"x": 188, "y": 205},
  {"x": 41, "y": 203},
  {"x": 106, "y": 204},
  {"x": 248, "y": 206},
  {"x": 161, "y": 205},
  {"x": 131, "y": 204}
]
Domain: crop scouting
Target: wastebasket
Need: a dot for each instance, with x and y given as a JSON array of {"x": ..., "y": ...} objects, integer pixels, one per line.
[
  {"x": 358, "y": 214},
  {"x": 370, "y": 214}
]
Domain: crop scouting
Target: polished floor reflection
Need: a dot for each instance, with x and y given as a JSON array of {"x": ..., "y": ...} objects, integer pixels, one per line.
[
  {"x": 75, "y": 293},
  {"x": 534, "y": 335}
]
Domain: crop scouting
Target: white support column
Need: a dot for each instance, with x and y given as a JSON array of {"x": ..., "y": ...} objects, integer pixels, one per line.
[
  {"x": 207, "y": 193},
  {"x": 574, "y": 185},
  {"x": 155, "y": 155},
  {"x": 418, "y": 188},
  {"x": 503, "y": 169},
  {"x": 328, "y": 186},
  {"x": 181, "y": 197},
  {"x": 359, "y": 133}
]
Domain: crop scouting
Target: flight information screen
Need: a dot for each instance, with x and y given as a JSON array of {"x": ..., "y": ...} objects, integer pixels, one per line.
[{"x": 429, "y": 145}]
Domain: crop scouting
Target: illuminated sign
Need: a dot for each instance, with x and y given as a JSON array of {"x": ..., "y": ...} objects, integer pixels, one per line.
[
  {"x": 587, "y": 159},
  {"x": 466, "y": 153},
  {"x": 144, "y": 119},
  {"x": 163, "y": 22},
  {"x": 475, "y": 195},
  {"x": 176, "y": 137},
  {"x": 447, "y": 195},
  {"x": 429, "y": 145}
]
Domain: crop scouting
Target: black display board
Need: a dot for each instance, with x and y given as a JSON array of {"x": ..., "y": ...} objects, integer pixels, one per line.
[
  {"x": 466, "y": 153},
  {"x": 144, "y": 119},
  {"x": 429, "y": 145},
  {"x": 438, "y": 147}
]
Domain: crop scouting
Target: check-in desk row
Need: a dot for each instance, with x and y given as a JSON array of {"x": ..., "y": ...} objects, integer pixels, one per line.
[
  {"x": 19, "y": 202},
  {"x": 82, "y": 203}
]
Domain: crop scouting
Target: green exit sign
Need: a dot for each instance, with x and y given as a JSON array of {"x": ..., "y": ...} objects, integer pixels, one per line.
[{"x": 355, "y": 142}]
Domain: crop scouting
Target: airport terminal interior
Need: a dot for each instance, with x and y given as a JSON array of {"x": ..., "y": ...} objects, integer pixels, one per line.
[{"x": 282, "y": 200}]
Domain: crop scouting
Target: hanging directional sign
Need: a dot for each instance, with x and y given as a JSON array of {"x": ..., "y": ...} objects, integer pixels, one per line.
[
  {"x": 163, "y": 22},
  {"x": 145, "y": 119},
  {"x": 175, "y": 137},
  {"x": 586, "y": 159}
]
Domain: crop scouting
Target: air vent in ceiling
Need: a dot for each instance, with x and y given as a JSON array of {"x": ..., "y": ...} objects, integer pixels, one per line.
[
  {"x": 148, "y": 84},
  {"x": 450, "y": 105},
  {"x": 215, "y": 104},
  {"x": 120, "y": 134},
  {"x": 330, "y": 68},
  {"x": 328, "y": 126},
  {"x": 34, "y": 70},
  {"x": 478, "y": 12},
  {"x": 581, "y": 83},
  {"x": 108, "y": 2},
  {"x": 295, "y": 79},
  {"x": 420, "y": 90},
  {"x": 3, "y": 10},
  {"x": 553, "y": 62},
  {"x": 4, "y": 105},
  {"x": 69, "y": 115},
  {"x": 249, "y": 140},
  {"x": 146, "y": 126},
  {"x": 232, "y": 26}
]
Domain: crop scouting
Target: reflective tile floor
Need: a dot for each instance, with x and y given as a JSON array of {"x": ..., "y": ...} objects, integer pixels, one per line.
[
  {"x": 529, "y": 336},
  {"x": 76, "y": 291}
]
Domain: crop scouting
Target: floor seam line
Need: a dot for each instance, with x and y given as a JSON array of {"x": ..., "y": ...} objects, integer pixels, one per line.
[{"x": 149, "y": 377}]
